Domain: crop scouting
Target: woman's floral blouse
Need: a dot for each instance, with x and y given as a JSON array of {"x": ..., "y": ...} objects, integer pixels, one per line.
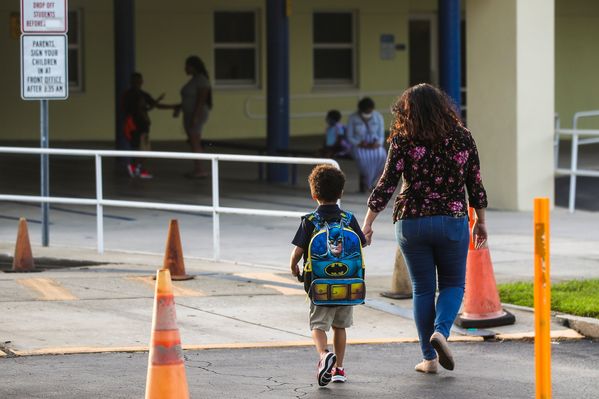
[{"x": 434, "y": 177}]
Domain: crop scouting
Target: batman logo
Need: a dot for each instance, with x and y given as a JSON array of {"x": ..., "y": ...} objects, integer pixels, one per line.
[{"x": 336, "y": 269}]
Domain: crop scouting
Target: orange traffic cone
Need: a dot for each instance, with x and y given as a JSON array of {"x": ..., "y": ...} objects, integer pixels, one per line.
[
  {"x": 482, "y": 307},
  {"x": 173, "y": 254},
  {"x": 166, "y": 369},
  {"x": 23, "y": 259}
]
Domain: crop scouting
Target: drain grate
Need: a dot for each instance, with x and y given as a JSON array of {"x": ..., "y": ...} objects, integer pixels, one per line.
[{"x": 42, "y": 263}]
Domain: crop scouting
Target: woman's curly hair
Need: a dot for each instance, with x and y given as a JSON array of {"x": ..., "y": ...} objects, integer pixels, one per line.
[{"x": 424, "y": 114}]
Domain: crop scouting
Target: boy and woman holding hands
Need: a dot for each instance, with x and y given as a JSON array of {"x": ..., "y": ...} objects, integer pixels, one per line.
[{"x": 437, "y": 159}]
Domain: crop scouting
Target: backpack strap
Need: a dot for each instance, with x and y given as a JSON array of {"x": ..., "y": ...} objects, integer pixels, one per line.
[
  {"x": 316, "y": 220},
  {"x": 346, "y": 217}
]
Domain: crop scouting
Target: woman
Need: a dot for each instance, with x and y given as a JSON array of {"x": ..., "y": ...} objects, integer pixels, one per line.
[
  {"x": 366, "y": 133},
  {"x": 196, "y": 103},
  {"x": 437, "y": 157}
]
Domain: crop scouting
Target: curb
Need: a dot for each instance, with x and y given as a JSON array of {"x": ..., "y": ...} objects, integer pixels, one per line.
[
  {"x": 235, "y": 345},
  {"x": 587, "y": 326}
]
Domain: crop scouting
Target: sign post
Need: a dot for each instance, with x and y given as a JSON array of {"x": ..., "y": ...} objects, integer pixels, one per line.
[{"x": 44, "y": 74}]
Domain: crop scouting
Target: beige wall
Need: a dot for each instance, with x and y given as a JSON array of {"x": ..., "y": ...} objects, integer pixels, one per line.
[
  {"x": 166, "y": 35},
  {"x": 511, "y": 97}
]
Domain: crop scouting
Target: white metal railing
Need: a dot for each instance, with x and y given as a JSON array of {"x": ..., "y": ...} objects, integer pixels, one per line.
[
  {"x": 357, "y": 95},
  {"x": 575, "y": 133},
  {"x": 100, "y": 202}
]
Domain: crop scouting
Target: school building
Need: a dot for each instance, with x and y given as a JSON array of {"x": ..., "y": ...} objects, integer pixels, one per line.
[{"x": 518, "y": 63}]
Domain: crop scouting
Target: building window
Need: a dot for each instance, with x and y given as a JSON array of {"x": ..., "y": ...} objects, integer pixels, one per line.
[
  {"x": 334, "y": 48},
  {"x": 75, "y": 51},
  {"x": 235, "y": 48}
]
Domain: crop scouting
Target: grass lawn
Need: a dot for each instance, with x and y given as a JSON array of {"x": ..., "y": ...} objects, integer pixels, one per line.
[{"x": 577, "y": 297}]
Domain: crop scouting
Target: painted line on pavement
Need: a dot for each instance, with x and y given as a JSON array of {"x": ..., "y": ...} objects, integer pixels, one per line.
[
  {"x": 49, "y": 289},
  {"x": 281, "y": 284},
  {"x": 293, "y": 284},
  {"x": 177, "y": 289}
]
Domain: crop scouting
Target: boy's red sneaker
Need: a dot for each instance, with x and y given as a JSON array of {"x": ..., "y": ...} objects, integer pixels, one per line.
[
  {"x": 325, "y": 366},
  {"x": 339, "y": 375},
  {"x": 144, "y": 174}
]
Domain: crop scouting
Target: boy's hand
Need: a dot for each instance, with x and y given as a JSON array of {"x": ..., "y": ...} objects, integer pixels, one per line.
[{"x": 295, "y": 270}]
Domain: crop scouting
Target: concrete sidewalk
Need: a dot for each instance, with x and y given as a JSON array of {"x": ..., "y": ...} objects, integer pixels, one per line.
[{"x": 109, "y": 308}]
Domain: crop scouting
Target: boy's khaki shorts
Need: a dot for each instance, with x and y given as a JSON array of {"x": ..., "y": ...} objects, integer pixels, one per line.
[{"x": 323, "y": 317}]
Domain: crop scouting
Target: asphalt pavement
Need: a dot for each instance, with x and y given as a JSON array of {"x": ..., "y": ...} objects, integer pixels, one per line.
[{"x": 484, "y": 370}]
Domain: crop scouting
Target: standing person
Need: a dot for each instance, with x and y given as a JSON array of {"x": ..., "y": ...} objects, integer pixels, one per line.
[
  {"x": 136, "y": 104},
  {"x": 366, "y": 132},
  {"x": 341, "y": 247},
  {"x": 196, "y": 103},
  {"x": 438, "y": 159}
]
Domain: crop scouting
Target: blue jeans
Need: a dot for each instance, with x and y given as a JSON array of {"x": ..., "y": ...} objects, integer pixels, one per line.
[{"x": 431, "y": 246}]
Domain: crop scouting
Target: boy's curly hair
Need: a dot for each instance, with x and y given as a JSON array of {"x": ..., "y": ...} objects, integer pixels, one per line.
[{"x": 326, "y": 183}]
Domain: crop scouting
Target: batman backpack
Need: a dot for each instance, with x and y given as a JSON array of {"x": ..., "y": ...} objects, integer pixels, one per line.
[{"x": 335, "y": 263}]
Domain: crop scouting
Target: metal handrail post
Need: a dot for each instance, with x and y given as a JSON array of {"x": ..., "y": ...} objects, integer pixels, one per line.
[
  {"x": 556, "y": 138},
  {"x": 573, "y": 166},
  {"x": 215, "y": 213},
  {"x": 99, "y": 206}
]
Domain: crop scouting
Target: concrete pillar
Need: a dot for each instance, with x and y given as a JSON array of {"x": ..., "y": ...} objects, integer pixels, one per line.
[
  {"x": 450, "y": 55},
  {"x": 124, "y": 61},
  {"x": 510, "y": 63},
  {"x": 277, "y": 85}
]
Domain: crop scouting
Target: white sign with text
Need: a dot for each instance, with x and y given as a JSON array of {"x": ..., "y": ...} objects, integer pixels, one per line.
[
  {"x": 44, "y": 16},
  {"x": 44, "y": 73}
]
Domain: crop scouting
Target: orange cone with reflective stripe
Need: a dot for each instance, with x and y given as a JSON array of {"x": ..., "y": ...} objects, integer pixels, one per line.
[
  {"x": 23, "y": 259},
  {"x": 166, "y": 368},
  {"x": 482, "y": 307},
  {"x": 173, "y": 254}
]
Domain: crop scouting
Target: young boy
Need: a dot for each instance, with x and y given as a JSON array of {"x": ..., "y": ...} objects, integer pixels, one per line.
[
  {"x": 336, "y": 144},
  {"x": 326, "y": 187}
]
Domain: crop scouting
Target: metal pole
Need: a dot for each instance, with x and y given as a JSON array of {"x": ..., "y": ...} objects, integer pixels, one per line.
[
  {"x": 573, "y": 167},
  {"x": 45, "y": 172},
  {"x": 124, "y": 62},
  {"x": 99, "y": 207},
  {"x": 450, "y": 61},
  {"x": 215, "y": 214}
]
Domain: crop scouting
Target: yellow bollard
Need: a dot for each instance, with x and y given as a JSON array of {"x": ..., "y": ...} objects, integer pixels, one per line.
[{"x": 542, "y": 298}]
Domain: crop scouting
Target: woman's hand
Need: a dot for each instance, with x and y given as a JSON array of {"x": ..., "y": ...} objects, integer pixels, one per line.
[
  {"x": 479, "y": 234},
  {"x": 295, "y": 270},
  {"x": 367, "y": 225},
  {"x": 367, "y": 230}
]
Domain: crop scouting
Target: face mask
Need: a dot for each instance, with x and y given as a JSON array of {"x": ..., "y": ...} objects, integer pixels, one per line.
[{"x": 366, "y": 116}]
